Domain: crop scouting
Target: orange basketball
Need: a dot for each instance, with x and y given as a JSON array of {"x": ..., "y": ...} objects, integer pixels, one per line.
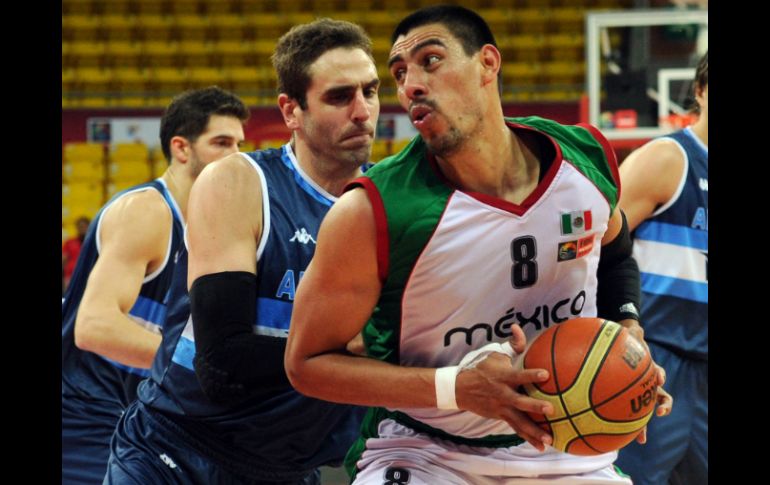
[{"x": 602, "y": 385}]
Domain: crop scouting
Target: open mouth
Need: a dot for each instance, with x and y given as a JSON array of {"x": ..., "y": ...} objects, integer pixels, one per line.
[{"x": 418, "y": 113}]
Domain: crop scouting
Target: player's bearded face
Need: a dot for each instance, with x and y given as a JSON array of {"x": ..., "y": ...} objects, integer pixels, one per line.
[
  {"x": 342, "y": 107},
  {"x": 437, "y": 86}
]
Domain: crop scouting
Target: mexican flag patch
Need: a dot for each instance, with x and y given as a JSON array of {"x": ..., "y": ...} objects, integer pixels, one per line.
[{"x": 577, "y": 222}]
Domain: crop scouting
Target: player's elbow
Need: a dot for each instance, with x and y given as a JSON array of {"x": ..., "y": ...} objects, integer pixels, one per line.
[
  {"x": 295, "y": 366},
  {"x": 87, "y": 330}
]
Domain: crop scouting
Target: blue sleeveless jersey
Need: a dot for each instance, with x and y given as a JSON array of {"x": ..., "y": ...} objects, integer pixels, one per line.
[
  {"x": 87, "y": 375},
  {"x": 286, "y": 432},
  {"x": 672, "y": 251}
]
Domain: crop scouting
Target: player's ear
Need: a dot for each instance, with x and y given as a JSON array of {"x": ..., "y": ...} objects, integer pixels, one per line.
[
  {"x": 289, "y": 108},
  {"x": 180, "y": 148},
  {"x": 491, "y": 63}
]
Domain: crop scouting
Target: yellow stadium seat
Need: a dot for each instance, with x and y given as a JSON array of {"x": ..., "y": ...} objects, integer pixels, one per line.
[
  {"x": 71, "y": 212},
  {"x": 229, "y": 53},
  {"x": 191, "y": 27},
  {"x": 119, "y": 27},
  {"x": 529, "y": 20},
  {"x": 155, "y": 28},
  {"x": 130, "y": 172},
  {"x": 499, "y": 19},
  {"x": 186, "y": 7},
  {"x": 83, "y": 54},
  {"x": 129, "y": 152},
  {"x": 83, "y": 28},
  {"x": 93, "y": 80},
  {"x": 266, "y": 25},
  {"x": 77, "y": 7},
  {"x": 230, "y": 28},
  {"x": 168, "y": 80},
  {"x": 130, "y": 81},
  {"x": 518, "y": 73},
  {"x": 195, "y": 54},
  {"x": 380, "y": 23},
  {"x": 82, "y": 193},
  {"x": 123, "y": 54},
  {"x": 149, "y": 7},
  {"x": 567, "y": 19},
  {"x": 205, "y": 76},
  {"x": 522, "y": 47},
  {"x": 83, "y": 171},
  {"x": 160, "y": 54},
  {"x": 83, "y": 152}
]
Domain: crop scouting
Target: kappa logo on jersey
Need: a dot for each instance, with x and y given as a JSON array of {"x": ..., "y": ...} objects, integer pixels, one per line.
[
  {"x": 541, "y": 317},
  {"x": 575, "y": 249},
  {"x": 168, "y": 461},
  {"x": 302, "y": 236},
  {"x": 704, "y": 184},
  {"x": 576, "y": 222}
]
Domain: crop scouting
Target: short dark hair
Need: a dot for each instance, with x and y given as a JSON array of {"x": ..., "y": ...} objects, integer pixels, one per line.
[
  {"x": 468, "y": 27},
  {"x": 189, "y": 113},
  {"x": 702, "y": 71},
  {"x": 701, "y": 79},
  {"x": 298, "y": 48}
]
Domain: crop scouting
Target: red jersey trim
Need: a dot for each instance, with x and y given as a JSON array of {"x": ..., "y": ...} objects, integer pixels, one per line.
[
  {"x": 612, "y": 159},
  {"x": 540, "y": 189},
  {"x": 380, "y": 222}
]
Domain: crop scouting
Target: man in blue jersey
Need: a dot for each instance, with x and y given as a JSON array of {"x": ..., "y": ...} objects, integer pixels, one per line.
[
  {"x": 445, "y": 257},
  {"x": 665, "y": 195},
  {"x": 114, "y": 308},
  {"x": 218, "y": 407}
]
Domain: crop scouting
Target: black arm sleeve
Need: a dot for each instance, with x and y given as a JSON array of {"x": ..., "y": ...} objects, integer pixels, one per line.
[
  {"x": 231, "y": 361},
  {"x": 618, "y": 292}
]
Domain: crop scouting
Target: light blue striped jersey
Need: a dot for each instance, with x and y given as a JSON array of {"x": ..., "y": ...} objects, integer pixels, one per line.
[
  {"x": 671, "y": 248},
  {"x": 87, "y": 375},
  {"x": 286, "y": 431}
]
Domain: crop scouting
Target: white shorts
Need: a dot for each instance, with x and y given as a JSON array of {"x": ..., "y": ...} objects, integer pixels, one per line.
[{"x": 402, "y": 456}]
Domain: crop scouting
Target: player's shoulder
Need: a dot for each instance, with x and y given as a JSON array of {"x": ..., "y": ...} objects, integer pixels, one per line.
[
  {"x": 144, "y": 204},
  {"x": 658, "y": 154}
]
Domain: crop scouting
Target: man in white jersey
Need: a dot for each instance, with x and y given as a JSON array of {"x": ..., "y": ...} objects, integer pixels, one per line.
[{"x": 452, "y": 258}]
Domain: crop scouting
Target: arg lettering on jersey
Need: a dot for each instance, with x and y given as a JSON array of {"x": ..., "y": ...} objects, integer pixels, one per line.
[{"x": 288, "y": 285}]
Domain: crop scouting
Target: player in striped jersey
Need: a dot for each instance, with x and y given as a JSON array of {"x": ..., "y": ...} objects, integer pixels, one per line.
[
  {"x": 666, "y": 198},
  {"x": 114, "y": 309},
  {"x": 218, "y": 407},
  {"x": 482, "y": 231}
]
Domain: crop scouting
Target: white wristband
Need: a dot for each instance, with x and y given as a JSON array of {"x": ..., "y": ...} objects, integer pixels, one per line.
[{"x": 445, "y": 387}]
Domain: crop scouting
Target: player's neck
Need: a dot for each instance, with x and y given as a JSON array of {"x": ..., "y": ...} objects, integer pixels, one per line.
[
  {"x": 179, "y": 184},
  {"x": 331, "y": 175},
  {"x": 500, "y": 165},
  {"x": 701, "y": 129}
]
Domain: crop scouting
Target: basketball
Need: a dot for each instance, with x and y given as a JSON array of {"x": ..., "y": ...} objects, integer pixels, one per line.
[{"x": 602, "y": 385}]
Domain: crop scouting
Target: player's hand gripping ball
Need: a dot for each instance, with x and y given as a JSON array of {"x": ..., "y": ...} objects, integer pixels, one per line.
[{"x": 602, "y": 385}]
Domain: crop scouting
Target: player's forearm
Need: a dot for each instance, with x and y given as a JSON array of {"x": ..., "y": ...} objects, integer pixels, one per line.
[
  {"x": 342, "y": 378},
  {"x": 117, "y": 338}
]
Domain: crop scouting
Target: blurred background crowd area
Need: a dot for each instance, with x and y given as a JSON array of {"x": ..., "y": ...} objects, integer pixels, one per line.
[{"x": 124, "y": 60}]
